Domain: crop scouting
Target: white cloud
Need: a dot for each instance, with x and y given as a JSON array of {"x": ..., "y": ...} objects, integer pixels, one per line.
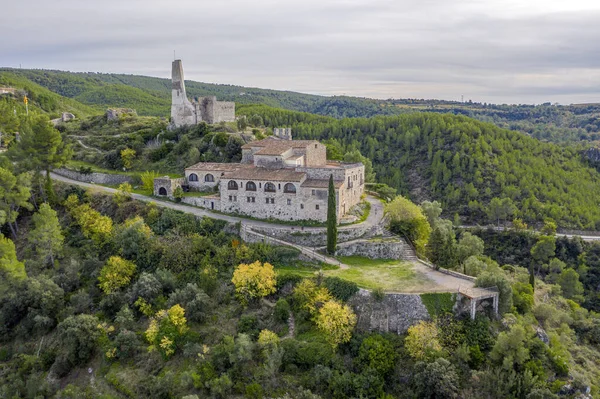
[{"x": 487, "y": 50}]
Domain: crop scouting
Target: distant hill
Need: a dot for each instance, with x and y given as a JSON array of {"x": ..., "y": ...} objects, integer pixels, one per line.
[{"x": 151, "y": 96}]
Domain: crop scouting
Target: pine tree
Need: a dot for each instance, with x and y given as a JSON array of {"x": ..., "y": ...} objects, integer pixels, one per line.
[
  {"x": 46, "y": 236},
  {"x": 331, "y": 218},
  {"x": 41, "y": 149}
]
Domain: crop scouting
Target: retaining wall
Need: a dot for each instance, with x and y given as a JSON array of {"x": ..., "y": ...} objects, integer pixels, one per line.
[
  {"x": 386, "y": 248},
  {"x": 395, "y": 313},
  {"x": 311, "y": 237},
  {"x": 95, "y": 177}
]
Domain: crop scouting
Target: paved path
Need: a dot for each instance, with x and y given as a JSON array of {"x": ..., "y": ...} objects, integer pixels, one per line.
[
  {"x": 307, "y": 251},
  {"x": 590, "y": 236},
  {"x": 374, "y": 218},
  {"x": 445, "y": 282},
  {"x": 88, "y": 148}
]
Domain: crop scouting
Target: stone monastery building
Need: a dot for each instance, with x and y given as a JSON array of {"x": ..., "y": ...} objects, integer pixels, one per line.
[{"x": 278, "y": 178}]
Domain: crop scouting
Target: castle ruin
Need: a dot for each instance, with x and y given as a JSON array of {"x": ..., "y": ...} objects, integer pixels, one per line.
[{"x": 202, "y": 109}]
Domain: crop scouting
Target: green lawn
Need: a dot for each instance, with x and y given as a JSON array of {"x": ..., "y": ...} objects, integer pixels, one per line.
[
  {"x": 305, "y": 271},
  {"x": 389, "y": 275},
  {"x": 75, "y": 165}
]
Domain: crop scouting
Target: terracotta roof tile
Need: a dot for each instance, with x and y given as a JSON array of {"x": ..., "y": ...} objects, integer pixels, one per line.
[
  {"x": 218, "y": 167},
  {"x": 273, "y": 142}
]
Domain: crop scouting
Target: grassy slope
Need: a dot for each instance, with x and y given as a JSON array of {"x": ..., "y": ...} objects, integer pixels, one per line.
[{"x": 44, "y": 99}]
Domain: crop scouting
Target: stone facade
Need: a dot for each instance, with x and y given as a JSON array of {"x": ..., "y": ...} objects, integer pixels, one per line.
[
  {"x": 208, "y": 202},
  {"x": 377, "y": 248},
  {"x": 203, "y": 109},
  {"x": 279, "y": 179},
  {"x": 98, "y": 178},
  {"x": 395, "y": 313},
  {"x": 165, "y": 186}
]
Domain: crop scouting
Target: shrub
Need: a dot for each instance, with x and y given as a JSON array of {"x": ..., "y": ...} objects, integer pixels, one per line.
[
  {"x": 340, "y": 289},
  {"x": 438, "y": 304},
  {"x": 253, "y": 281},
  {"x": 377, "y": 353},
  {"x": 78, "y": 337},
  {"x": 282, "y": 310},
  {"x": 408, "y": 220},
  {"x": 422, "y": 341},
  {"x": 116, "y": 273},
  {"x": 148, "y": 180}
]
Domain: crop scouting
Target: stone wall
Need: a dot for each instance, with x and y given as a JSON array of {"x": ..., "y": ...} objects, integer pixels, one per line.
[
  {"x": 95, "y": 177},
  {"x": 377, "y": 248},
  {"x": 395, "y": 313},
  {"x": 212, "y": 203},
  {"x": 313, "y": 237},
  {"x": 169, "y": 185},
  {"x": 316, "y": 155},
  {"x": 224, "y": 112},
  {"x": 201, "y": 184}
]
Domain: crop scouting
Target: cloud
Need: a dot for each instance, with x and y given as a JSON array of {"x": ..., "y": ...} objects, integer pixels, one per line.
[{"x": 493, "y": 50}]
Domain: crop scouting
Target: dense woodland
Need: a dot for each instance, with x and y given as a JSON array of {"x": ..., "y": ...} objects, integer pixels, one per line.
[
  {"x": 151, "y": 96},
  {"x": 104, "y": 296},
  {"x": 465, "y": 164}
]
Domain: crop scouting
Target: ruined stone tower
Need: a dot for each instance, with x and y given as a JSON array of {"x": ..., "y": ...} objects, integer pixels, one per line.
[{"x": 207, "y": 109}]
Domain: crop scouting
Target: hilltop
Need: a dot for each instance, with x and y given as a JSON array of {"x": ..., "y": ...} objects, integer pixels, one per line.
[{"x": 150, "y": 96}]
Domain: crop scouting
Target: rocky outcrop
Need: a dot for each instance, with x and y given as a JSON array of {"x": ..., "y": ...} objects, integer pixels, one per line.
[{"x": 113, "y": 114}]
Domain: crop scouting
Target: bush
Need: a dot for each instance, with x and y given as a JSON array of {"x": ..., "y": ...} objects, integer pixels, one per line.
[
  {"x": 341, "y": 289},
  {"x": 282, "y": 310},
  {"x": 248, "y": 324},
  {"x": 408, "y": 220},
  {"x": 78, "y": 336}
]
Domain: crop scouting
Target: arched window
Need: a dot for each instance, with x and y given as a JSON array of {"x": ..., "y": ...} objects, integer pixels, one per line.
[
  {"x": 232, "y": 185},
  {"x": 289, "y": 188},
  {"x": 250, "y": 186},
  {"x": 193, "y": 177},
  {"x": 269, "y": 188},
  {"x": 162, "y": 191},
  {"x": 208, "y": 178}
]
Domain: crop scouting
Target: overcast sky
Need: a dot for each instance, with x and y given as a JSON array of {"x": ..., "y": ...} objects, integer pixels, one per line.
[{"x": 501, "y": 51}]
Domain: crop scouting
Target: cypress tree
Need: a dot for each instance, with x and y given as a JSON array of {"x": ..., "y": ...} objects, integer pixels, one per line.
[{"x": 331, "y": 218}]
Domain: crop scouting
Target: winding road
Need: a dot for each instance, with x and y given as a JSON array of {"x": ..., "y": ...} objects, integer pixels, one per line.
[{"x": 374, "y": 218}]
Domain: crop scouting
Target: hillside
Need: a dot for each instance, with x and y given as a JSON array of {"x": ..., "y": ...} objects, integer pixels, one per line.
[
  {"x": 463, "y": 163},
  {"x": 41, "y": 98},
  {"x": 572, "y": 123}
]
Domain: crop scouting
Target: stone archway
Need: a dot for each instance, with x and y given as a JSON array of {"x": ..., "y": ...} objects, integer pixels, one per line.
[{"x": 162, "y": 191}]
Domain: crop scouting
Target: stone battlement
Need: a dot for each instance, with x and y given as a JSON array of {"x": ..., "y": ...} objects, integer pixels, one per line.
[{"x": 203, "y": 109}]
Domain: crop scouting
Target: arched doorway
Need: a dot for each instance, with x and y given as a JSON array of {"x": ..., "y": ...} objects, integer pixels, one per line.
[{"x": 162, "y": 191}]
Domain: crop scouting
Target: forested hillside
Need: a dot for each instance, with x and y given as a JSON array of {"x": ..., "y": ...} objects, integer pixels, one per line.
[
  {"x": 103, "y": 296},
  {"x": 464, "y": 163},
  {"x": 151, "y": 96}
]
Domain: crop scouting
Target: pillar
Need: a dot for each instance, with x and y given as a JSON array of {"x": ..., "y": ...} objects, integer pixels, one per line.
[
  {"x": 496, "y": 300},
  {"x": 473, "y": 308}
]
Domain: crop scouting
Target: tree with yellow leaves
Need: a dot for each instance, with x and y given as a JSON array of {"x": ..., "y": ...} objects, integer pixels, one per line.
[
  {"x": 166, "y": 329},
  {"x": 309, "y": 296},
  {"x": 337, "y": 322},
  {"x": 253, "y": 281},
  {"x": 422, "y": 341},
  {"x": 127, "y": 156},
  {"x": 93, "y": 224},
  {"x": 116, "y": 273}
]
